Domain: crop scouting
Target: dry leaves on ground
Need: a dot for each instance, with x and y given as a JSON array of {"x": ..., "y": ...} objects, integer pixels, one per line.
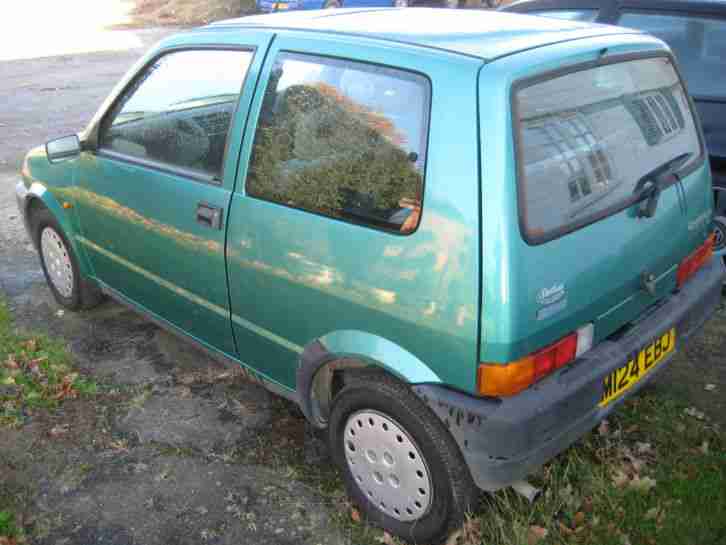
[
  {"x": 536, "y": 534},
  {"x": 355, "y": 515}
]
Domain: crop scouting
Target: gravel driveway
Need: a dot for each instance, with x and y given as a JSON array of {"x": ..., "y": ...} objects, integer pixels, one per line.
[{"x": 177, "y": 449}]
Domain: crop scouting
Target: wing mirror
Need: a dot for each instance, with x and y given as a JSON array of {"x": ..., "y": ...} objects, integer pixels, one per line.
[{"x": 66, "y": 147}]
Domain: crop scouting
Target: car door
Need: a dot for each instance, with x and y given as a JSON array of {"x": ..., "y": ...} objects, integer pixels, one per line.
[{"x": 153, "y": 197}]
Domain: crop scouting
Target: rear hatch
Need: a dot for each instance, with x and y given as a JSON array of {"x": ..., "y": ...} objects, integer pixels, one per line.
[{"x": 612, "y": 193}]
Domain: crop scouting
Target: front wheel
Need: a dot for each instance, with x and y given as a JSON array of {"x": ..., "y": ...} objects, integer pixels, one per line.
[
  {"x": 332, "y": 4},
  {"x": 400, "y": 465},
  {"x": 60, "y": 264}
]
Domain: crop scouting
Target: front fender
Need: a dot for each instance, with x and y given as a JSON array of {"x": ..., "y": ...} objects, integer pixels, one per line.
[
  {"x": 357, "y": 345},
  {"x": 33, "y": 189}
]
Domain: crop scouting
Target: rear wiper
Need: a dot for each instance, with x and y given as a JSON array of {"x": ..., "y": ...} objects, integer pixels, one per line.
[{"x": 657, "y": 178}]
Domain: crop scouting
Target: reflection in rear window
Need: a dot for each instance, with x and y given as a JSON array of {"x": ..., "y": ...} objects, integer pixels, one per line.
[{"x": 587, "y": 137}]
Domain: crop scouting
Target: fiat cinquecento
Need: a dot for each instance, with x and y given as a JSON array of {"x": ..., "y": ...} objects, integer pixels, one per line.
[{"x": 457, "y": 240}]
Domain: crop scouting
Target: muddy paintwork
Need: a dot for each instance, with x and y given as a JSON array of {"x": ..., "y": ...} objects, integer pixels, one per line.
[{"x": 428, "y": 306}]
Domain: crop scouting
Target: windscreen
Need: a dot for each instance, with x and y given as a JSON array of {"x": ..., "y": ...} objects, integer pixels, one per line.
[{"x": 585, "y": 139}]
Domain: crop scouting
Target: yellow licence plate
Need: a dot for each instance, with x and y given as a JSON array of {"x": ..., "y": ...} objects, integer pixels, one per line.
[
  {"x": 638, "y": 366},
  {"x": 281, "y": 6}
]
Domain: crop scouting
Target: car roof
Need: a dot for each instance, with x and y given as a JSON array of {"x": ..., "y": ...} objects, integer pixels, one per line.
[
  {"x": 483, "y": 34},
  {"x": 716, "y": 7}
]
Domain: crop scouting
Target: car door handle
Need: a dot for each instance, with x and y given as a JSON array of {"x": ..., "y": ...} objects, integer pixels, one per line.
[{"x": 209, "y": 216}]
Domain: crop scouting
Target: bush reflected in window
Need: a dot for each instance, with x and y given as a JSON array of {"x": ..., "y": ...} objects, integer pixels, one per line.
[{"x": 342, "y": 139}]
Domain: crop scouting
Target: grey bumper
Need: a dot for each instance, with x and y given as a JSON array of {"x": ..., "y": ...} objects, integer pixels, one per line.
[{"x": 503, "y": 440}]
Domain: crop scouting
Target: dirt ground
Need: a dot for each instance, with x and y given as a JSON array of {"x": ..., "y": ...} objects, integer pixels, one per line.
[
  {"x": 188, "y": 12},
  {"x": 175, "y": 448}
]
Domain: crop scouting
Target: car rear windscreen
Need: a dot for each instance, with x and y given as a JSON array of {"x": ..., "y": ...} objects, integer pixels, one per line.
[{"x": 585, "y": 139}]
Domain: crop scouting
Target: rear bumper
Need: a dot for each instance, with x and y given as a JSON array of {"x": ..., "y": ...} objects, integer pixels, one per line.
[{"x": 503, "y": 440}]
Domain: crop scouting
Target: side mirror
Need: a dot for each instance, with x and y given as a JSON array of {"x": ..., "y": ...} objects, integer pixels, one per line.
[{"x": 63, "y": 148}]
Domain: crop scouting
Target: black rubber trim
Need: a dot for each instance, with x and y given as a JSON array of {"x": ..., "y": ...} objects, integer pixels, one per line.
[{"x": 313, "y": 358}]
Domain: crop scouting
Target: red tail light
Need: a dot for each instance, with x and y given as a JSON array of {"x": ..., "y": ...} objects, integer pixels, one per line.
[
  {"x": 690, "y": 265},
  {"x": 496, "y": 379}
]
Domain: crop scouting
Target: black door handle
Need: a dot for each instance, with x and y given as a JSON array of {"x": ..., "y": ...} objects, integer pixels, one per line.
[{"x": 209, "y": 216}]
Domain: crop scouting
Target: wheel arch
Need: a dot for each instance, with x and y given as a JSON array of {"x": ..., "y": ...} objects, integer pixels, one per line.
[{"x": 323, "y": 359}]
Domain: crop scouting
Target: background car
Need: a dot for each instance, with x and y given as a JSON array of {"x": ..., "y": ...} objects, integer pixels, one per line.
[
  {"x": 696, "y": 32},
  {"x": 286, "y": 5}
]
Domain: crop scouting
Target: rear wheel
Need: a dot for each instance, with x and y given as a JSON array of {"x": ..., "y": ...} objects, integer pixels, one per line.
[
  {"x": 60, "y": 264},
  {"x": 400, "y": 465},
  {"x": 719, "y": 220},
  {"x": 332, "y": 4},
  {"x": 719, "y": 230}
]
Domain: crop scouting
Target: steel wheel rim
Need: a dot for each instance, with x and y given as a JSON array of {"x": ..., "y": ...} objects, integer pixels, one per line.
[
  {"x": 719, "y": 223},
  {"x": 387, "y": 465},
  {"x": 57, "y": 261}
]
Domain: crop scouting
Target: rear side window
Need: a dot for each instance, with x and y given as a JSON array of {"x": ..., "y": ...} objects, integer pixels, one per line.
[
  {"x": 344, "y": 139},
  {"x": 178, "y": 111},
  {"x": 568, "y": 14},
  {"x": 699, "y": 44},
  {"x": 585, "y": 139}
]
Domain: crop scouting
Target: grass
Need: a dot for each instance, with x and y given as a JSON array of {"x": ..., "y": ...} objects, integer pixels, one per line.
[
  {"x": 8, "y": 529},
  {"x": 654, "y": 474},
  {"x": 651, "y": 475},
  {"x": 36, "y": 373}
]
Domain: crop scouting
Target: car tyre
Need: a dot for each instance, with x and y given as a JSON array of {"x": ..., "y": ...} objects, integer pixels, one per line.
[
  {"x": 400, "y": 465},
  {"x": 332, "y": 4},
  {"x": 60, "y": 264}
]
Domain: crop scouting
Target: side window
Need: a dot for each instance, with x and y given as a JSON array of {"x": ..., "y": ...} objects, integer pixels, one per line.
[
  {"x": 699, "y": 43},
  {"x": 178, "y": 111},
  {"x": 344, "y": 139}
]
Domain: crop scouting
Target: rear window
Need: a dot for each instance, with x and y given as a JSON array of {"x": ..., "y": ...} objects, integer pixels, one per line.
[{"x": 585, "y": 138}]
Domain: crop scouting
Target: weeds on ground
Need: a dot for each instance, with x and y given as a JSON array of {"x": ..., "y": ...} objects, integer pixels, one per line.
[
  {"x": 8, "y": 530},
  {"x": 35, "y": 373},
  {"x": 654, "y": 473}
]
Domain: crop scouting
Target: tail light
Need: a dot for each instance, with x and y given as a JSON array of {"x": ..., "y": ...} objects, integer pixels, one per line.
[
  {"x": 690, "y": 265},
  {"x": 501, "y": 380}
]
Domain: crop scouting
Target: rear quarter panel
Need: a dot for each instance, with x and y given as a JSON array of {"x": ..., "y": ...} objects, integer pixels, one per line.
[{"x": 304, "y": 277}]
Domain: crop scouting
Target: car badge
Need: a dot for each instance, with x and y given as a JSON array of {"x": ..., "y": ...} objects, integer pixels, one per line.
[{"x": 647, "y": 282}]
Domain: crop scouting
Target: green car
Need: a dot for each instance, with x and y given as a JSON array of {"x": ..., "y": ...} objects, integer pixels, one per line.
[{"x": 457, "y": 240}]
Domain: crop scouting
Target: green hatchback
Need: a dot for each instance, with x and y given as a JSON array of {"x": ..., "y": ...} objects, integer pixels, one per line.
[{"x": 457, "y": 240}]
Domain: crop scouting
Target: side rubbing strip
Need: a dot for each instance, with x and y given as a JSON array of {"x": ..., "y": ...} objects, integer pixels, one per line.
[
  {"x": 267, "y": 334},
  {"x": 193, "y": 297}
]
